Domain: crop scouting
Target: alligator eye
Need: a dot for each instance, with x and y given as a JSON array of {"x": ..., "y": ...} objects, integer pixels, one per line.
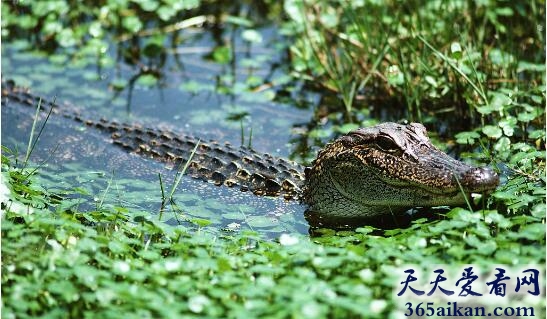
[{"x": 386, "y": 144}]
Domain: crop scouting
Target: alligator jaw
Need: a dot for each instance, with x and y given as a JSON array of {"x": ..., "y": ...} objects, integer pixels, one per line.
[{"x": 389, "y": 168}]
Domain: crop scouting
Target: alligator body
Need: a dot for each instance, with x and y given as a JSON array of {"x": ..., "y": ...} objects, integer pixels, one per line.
[
  {"x": 384, "y": 169},
  {"x": 211, "y": 161}
]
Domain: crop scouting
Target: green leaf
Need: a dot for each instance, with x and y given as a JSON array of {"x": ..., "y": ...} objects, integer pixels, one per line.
[
  {"x": 118, "y": 84},
  {"x": 147, "y": 80},
  {"x": 294, "y": 9},
  {"x": 395, "y": 76},
  {"x": 528, "y": 66},
  {"x": 222, "y": 54},
  {"x": 467, "y": 137},
  {"x": 95, "y": 29},
  {"x": 508, "y": 125},
  {"x": 132, "y": 24},
  {"x": 499, "y": 101},
  {"x": 201, "y": 222},
  {"x": 148, "y": 5},
  {"x": 195, "y": 87},
  {"x": 240, "y": 21},
  {"x": 260, "y": 221},
  {"x": 27, "y": 21},
  {"x": 252, "y": 36},
  {"x": 492, "y": 131},
  {"x": 66, "y": 38},
  {"x": 456, "y": 50},
  {"x": 534, "y": 232},
  {"x": 197, "y": 304},
  {"x": 502, "y": 145},
  {"x": 154, "y": 46},
  {"x": 504, "y": 11},
  {"x": 346, "y": 128},
  {"x": 539, "y": 211},
  {"x": 526, "y": 116},
  {"x": 117, "y": 247},
  {"x": 536, "y": 134}
]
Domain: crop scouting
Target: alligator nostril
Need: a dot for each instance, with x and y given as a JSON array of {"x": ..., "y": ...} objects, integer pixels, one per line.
[{"x": 480, "y": 179}]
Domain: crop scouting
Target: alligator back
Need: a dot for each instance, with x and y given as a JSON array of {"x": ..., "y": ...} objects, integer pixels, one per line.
[{"x": 214, "y": 162}]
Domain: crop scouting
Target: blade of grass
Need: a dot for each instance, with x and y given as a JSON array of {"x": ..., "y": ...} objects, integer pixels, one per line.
[
  {"x": 161, "y": 188},
  {"x": 242, "y": 132},
  {"x": 31, "y": 137},
  {"x": 463, "y": 192},
  {"x": 162, "y": 206},
  {"x": 181, "y": 172},
  {"x": 99, "y": 206},
  {"x": 32, "y": 142},
  {"x": 455, "y": 68},
  {"x": 249, "y": 145},
  {"x": 42, "y": 163}
]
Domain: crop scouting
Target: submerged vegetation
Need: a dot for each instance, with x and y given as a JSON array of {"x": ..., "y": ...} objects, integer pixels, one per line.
[{"x": 472, "y": 70}]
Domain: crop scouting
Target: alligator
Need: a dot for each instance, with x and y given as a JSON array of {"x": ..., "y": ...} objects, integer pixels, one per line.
[{"x": 368, "y": 173}]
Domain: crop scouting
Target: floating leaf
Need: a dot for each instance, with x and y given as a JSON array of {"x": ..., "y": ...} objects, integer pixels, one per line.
[
  {"x": 251, "y": 36},
  {"x": 201, "y": 222},
  {"x": 346, "y": 128},
  {"x": 239, "y": 21},
  {"x": 147, "y": 80},
  {"x": 195, "y": 87},
  {"x": 222, "y": 54},
  {"x": 118, "y": 84},
  {"x": 260, "y": 221},
  {"x": 288, "y": 240},
  {"x": 154, "y": 46}
]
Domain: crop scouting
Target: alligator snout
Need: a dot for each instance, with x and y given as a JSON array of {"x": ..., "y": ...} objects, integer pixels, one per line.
[
  {"x": 387, "y": 169},
  {"x": 479, "y": 179}
]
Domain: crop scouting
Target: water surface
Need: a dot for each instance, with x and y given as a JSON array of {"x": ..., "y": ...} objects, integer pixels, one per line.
[{"x": 193, "y": 95}]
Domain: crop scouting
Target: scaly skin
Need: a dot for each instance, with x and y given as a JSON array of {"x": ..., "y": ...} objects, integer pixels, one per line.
[
  {"x": 384, "y": 169},
  {"x": 389, "y": 168}
]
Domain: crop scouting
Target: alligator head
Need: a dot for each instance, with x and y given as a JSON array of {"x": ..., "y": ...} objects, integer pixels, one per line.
[{"x": 388, "y": 168}]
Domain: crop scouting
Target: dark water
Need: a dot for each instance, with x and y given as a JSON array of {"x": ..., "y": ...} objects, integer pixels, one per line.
[{"x": 188, "y": 97}]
